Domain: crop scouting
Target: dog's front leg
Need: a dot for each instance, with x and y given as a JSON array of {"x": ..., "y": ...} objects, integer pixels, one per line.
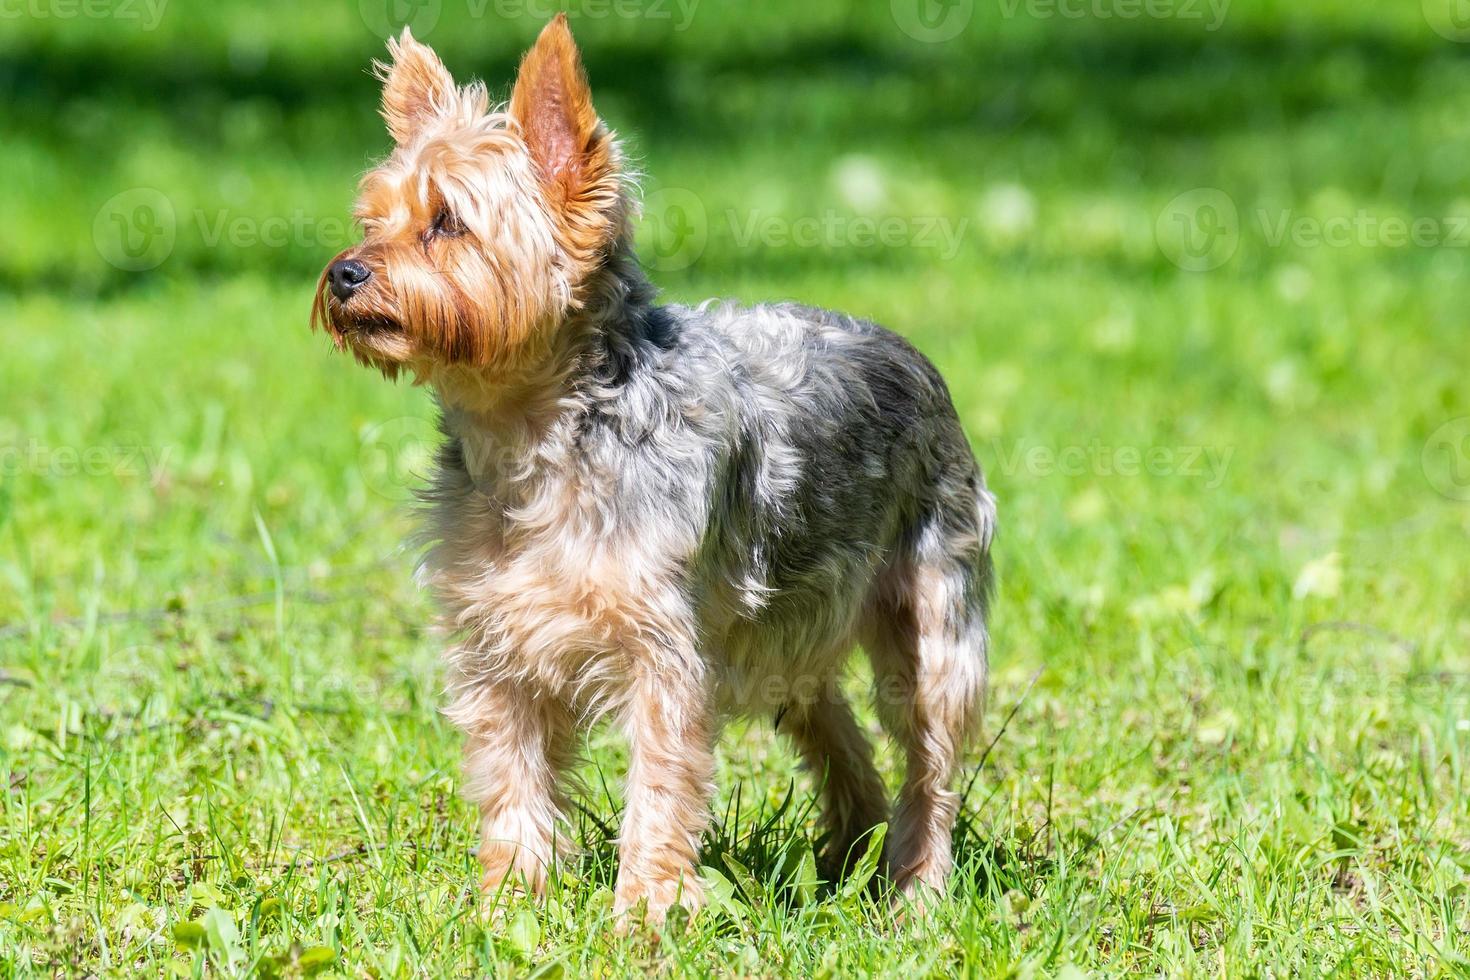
[
  {"x": 671, "y": 730},
  {"x": 517, "y": 746}
]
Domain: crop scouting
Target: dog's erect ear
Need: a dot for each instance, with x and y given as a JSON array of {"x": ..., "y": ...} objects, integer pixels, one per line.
[
  {"x": 415, "y": 86},
  {"x": 553, "y": 105}
]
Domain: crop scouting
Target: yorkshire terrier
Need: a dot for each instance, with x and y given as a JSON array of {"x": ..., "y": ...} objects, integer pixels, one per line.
[{"x": 658, "y": 512}]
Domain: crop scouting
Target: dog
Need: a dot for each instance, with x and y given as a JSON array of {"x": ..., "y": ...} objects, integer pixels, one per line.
[{"x": 656, "y": 513}]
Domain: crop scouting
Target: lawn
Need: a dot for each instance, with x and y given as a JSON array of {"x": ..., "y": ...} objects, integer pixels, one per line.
[{"x": 1197, "y": 274}]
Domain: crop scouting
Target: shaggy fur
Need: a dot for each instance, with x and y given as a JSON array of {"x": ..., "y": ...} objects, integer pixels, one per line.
[{"x": 659, "y": 513}]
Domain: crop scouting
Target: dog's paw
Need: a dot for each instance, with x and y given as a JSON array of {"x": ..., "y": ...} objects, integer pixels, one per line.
[
  {"x": 511, "y": 873},
  {"x": 918, "y": 891},
  {"x": 648, "y": 903}
]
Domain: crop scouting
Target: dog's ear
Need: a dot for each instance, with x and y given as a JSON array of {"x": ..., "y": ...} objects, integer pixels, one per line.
[
  {"x": 572, "y": 150},
  {"x": 415, "y": 86}
]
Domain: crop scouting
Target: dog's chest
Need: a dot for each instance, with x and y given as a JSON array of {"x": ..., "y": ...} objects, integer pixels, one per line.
[{"x": 545, "y": 587}]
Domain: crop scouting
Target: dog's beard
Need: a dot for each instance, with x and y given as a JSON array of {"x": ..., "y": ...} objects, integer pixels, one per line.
[{"x": 374, "y": 337}]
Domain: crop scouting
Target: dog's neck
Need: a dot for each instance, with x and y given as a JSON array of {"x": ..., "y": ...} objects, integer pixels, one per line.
[{"x": 505, "y": 418}]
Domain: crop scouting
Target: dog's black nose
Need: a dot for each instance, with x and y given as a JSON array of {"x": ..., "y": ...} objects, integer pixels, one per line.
[{"x": 346, "y": 277}]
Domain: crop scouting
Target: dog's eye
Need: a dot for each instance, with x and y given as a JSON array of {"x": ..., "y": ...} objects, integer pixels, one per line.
[{"x": 445, "y": 225}]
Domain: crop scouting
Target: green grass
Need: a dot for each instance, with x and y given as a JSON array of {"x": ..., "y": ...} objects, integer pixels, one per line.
[{"x": 1237, "y": 679}]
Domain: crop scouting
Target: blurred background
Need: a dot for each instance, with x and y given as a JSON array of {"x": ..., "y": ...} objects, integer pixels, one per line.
[{"x": 1195, "y": 269}]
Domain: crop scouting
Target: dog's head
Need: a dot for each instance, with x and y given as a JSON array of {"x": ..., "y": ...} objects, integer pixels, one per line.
[{"x": 481, "y": 227}]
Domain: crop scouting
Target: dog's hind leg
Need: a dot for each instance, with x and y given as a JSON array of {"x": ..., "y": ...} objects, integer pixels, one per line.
[
  {"x": 925, "y": 634},
  {"x": 840, "y": 757}
]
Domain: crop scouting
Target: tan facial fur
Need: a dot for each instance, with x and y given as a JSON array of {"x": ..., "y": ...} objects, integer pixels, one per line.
[{"x": 481, "y": 227}]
